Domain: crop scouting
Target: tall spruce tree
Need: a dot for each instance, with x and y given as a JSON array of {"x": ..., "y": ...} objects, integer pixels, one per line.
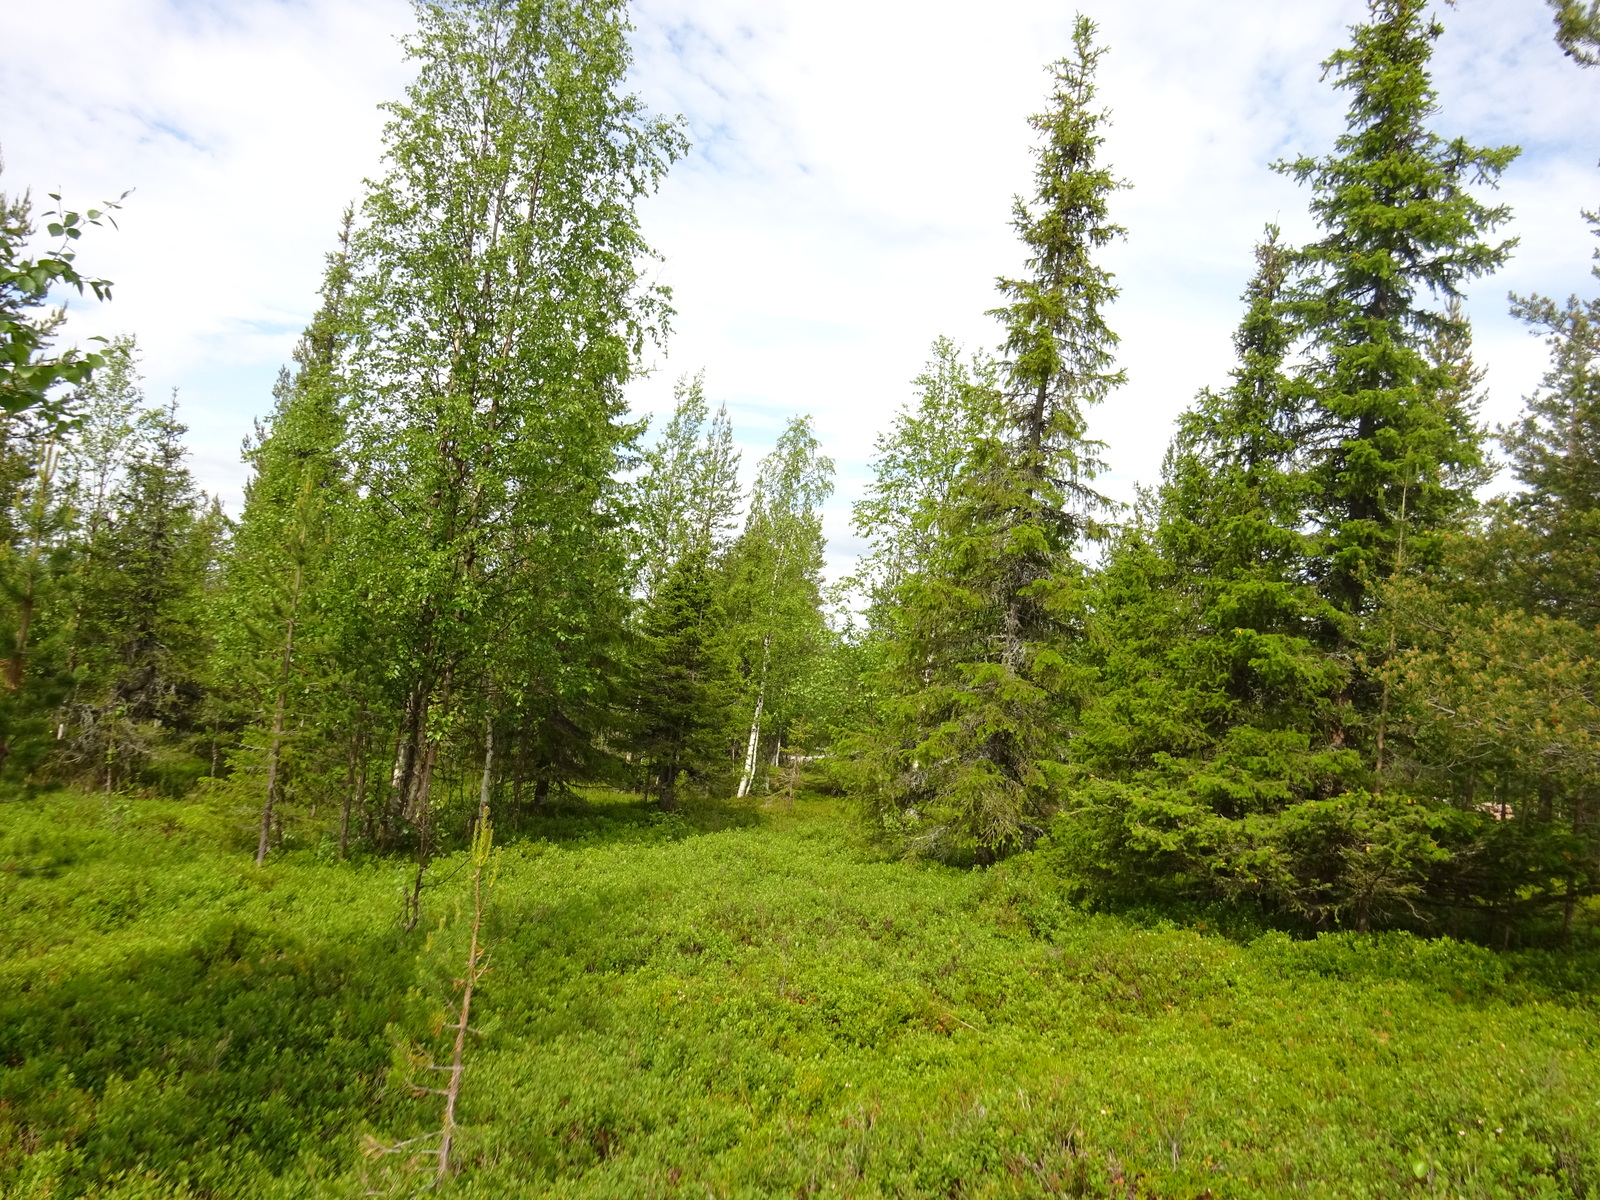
[
  {"x": 1400, "y": 226},
  {"x": 979, "y": 691},
  {"x": 1215, "y": 687},
  {"x": 276, "y": 642},
  {"x": 1239, "y": 747}
]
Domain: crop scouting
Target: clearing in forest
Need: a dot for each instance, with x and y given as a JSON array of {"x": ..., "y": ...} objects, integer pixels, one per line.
[{"x": 741, "y": 1001}]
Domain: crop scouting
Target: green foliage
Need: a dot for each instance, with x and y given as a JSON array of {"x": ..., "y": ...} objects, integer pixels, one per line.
[
  {"x": 696, "y": 1002},
  {"x": 29, "y": 372},
  {"x": 1245, "y": 740},
  {"x": 1397, "y": 451},
  {"x": 1498, "y": 679},
  {"x": 687, "y": 680},
  {"x": 142, "y": 637},
  {"x": 977, "y": 689},
  {"x": 1578, "y": 30},
  {"x": 1554, "y": 556},
  {"x": 689, "y": 494},
  {"x": 1308, "y": 687},
  {"x": 497, "y": 305},
  {"x": 281, "y": 632},
  {"x": 919, "y": 466},
  {"x": 775, "y": 591}
]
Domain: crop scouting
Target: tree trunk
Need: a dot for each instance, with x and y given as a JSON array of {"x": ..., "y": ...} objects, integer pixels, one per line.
[
  {"x": 424, "y": 827},
  {"x": 469, "y": 980},
  {"x": 275, "y": 747},
  {"x": 355, "y": 780},
  {"x": 488, "y": 768},
  {"x": 755, "y": 724},
  {"x": 16, "y": 667}
]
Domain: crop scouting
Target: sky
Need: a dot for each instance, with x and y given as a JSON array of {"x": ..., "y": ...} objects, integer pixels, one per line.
[{"x": 847, "y": 198}]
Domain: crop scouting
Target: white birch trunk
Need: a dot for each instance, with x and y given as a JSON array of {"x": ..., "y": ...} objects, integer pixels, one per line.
[{"x": 749, "y": 773}]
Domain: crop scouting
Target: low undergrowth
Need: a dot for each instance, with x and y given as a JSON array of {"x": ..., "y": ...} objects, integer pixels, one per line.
[{"x": 741, "y": 1002}]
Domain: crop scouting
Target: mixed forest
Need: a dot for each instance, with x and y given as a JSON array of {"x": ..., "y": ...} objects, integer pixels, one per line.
[{"x": 503, "y": 800}]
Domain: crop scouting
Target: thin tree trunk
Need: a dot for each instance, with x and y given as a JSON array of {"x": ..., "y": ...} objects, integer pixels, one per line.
[
  {"x": 1383, "y": 708},
  {"x": 475, "y": 969},
  {"x": 16, "y": 667},
  {"x": 424, "y": 806},
  {"x": 355, "y": 779},
  {"x": 488, "y": 768},
  {"x": 755, "y": 724},
  {"x": 275, "y": 747}
]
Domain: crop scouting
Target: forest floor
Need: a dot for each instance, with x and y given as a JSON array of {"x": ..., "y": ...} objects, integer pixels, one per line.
[{"x": 741, "y": 1002}]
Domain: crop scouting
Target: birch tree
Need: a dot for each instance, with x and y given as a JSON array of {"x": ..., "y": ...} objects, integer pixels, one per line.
[
  {"x": 775, "y": 573},
  {"x": 500, "y": 307}
]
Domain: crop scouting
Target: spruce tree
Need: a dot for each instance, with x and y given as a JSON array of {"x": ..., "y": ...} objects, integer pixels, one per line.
[
  {"x": 1399, "y": 225},
  {"x": 277, "y": 640},
  {"x": 1498, "y": 674},
  {"x": 686, "y": 679},
  {"x": 1240, "y": 745},
  {"x": 980, "y": 692},
  {"x": 145, "y": 616},
  {"x": 1578, "y": 30},
  {"x": 1214, "y": 686},
  {"x": 1555, "y": 453}
]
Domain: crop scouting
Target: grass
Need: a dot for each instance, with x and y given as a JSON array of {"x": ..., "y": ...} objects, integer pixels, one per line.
[{"x": 743, "y": 1002}]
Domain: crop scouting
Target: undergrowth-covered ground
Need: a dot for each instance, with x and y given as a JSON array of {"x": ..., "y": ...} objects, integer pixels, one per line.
[{"x": 743, "y": 1002}]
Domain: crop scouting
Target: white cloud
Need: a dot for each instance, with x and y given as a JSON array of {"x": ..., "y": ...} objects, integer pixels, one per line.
[{"x": 846, "y": 201}]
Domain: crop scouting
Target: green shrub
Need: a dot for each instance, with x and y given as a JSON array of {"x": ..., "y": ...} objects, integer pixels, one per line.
[{"x": 739, "y": 1002}]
